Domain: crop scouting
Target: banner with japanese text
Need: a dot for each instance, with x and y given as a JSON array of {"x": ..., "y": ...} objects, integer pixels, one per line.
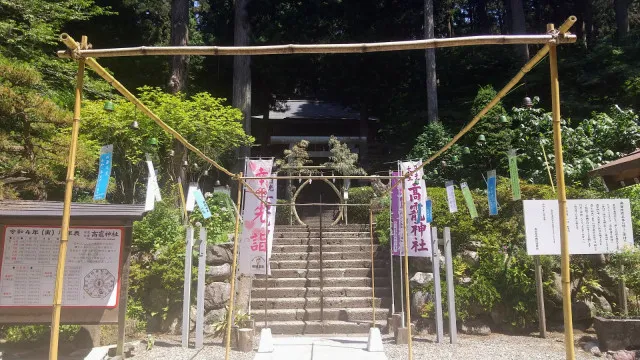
[
  {"x": 254, "y": 241},
  {"x": 418, "y": 230},
  {"x": 397, "y": 246}
]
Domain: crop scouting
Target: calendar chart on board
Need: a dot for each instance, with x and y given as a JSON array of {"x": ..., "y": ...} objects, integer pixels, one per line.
[{"x": 29, "y": 262}]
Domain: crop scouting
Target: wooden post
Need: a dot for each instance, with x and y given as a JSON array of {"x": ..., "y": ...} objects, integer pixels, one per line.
[
  {"x": 542, "y": 318},
  {"x": 562, "y": 201},
  {"x": 124, "y": 296},
  {"x": 622, "y": 290},
  {"x": 233, "y": 274},
  {"x": 66, "y": 212}
]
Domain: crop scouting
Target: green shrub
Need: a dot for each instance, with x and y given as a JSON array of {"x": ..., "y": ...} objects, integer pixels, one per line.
[
  {"x": 359, "y": 195},
  {"x": 503, "y": 273},
  {"x": 283, "y": 213},
  {"x": 157, "y": 263},
  {"x": 36, "y": 333},
  {"x": 222, "y": 220}
]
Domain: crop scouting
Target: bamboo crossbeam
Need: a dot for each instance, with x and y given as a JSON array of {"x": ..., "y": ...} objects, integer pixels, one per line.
[{"x": 317, "y": 48}]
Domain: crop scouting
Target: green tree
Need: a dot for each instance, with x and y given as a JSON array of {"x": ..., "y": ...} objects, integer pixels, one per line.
[
  {"x": 203, "y": 120},
  {"x": 447, "y": 166},
  {"x": 35, "y": 136},
  {"x": 30, "y": 31},
  {"x": 342, "y": 160}
]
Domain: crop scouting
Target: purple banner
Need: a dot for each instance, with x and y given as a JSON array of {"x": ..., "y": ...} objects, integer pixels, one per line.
[{"x": 397, "y": 246}]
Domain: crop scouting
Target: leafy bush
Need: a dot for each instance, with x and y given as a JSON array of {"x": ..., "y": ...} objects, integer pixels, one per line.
[
  {"x": 625, "y": 266},
  {"x": 157, "y": 263},
  {"x": 383, "y": 221},
  {"x": 503, "y": 274},
  {"x": 283, "y": 213},
  {"x": 359, "y": 195},
  {"x": 222, "y": 220},
  {"x": 36, "y": 333}
]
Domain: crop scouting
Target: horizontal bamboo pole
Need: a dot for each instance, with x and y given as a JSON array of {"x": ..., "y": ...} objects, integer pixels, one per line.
[{"x": 316, "y": 48}]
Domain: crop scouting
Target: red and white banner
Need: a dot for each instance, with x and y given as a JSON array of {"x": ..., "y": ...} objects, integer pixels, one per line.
[
  {"x": 418, "y": 229},
  {"x": 254, "y": 244}
]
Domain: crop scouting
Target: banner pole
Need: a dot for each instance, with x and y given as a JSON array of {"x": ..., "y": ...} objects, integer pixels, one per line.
[
  {"x": 373, "y": 276},
  {"x": 66, "y": 212},
  {"x": 406, "y": 269},
  {"x": 233, "y": 274},
  {"x": 562, "y": 200},
  {"x": 391, "y": 237}
]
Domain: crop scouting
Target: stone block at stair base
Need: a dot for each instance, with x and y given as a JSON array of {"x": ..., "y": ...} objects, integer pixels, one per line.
[
  {"x": 402, "y": 336},
  {"x": 266, "y": 341},
  {"x": 374, "y": 344},
  {"x": 390, "y": 328}
]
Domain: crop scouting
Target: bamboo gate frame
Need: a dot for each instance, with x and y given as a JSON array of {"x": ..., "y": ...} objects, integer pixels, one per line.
[{"x": 86, "y": 56}]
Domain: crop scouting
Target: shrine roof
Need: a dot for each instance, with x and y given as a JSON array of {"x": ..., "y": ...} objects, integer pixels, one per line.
[
  {"x": 310, "y": 109},
  {"x": 25, "y": 208}
]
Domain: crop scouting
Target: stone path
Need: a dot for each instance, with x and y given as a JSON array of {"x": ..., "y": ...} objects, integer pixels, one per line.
[{"x": 325, "y": 348}]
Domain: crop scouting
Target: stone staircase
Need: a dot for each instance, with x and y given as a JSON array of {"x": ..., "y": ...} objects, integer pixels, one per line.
[{"x": 294, "y": 292}]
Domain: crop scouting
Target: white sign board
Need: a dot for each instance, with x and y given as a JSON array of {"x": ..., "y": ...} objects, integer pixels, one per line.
[
  {"x": 29, "y": 262},
  {"x": 598, "y": 226}
]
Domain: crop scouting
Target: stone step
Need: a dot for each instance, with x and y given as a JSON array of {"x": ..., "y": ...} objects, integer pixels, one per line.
[
  {"x": 327, "y": 272},
  {"x": 277, "y": 248},
  {"x": 325, "y": 241},
  {"x": 326, "y": 255},
  {"x": 307, "y": 292},
  {"x": 352, "y": 314},
  {"x": 314, "y": 282},
  {"x": 314, "y": 303},
  {"x": 317, "y": 327},
  {"x": 316, "y": 234},
  {"x": 327, "y": 264}
]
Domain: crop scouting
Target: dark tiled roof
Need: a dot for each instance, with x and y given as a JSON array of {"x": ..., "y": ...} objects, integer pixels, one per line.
[
  {"x": 309, "y": 109},
  {"x": 54, "y": 209}
]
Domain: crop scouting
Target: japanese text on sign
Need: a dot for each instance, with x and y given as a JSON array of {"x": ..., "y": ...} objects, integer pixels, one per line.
[
  {"x": 29, "y": 262},
  {"x": 598, "y": 226}
]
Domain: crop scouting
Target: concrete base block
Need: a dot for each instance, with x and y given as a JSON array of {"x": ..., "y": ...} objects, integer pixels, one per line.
[
  {"x": 245, "y": 340},
  {"x": 402, "y": 336},
  {"x": 374, "y": 344},
  {"x": 266, "y": 341},
  {"x": 397, "y": 321}
]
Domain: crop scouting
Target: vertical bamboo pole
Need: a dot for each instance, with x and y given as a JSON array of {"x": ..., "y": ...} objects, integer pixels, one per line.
[
  {"x": 406, "y": 268},
  {"x": 66, "y": 212},
  {"x": 562, "y": 201},
  {"x": 373, "y": 276},
  {"x": 233, "y": 274}
]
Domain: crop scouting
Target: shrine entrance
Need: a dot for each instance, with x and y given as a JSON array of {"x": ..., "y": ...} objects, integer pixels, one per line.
[{"x": 315, "y": 200}]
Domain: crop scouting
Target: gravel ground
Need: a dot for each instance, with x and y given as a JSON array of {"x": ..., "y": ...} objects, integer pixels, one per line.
[{"x": 495, "y": 346}]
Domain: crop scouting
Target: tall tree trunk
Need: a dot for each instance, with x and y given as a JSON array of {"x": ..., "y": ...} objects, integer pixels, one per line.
[
  {"x": 622, "y": 18},
  {"x": 179, "y": 75},
  {"x": 430, "y": 55},
  {"x": 518, "y": 27},
  {"x": 588, "y": 23},
  {"x": 480, "y": 18},
  {"x": 242, "y": 68}
]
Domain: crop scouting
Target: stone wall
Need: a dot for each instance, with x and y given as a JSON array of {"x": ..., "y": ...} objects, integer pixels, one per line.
[{"x": 217, "y": 291}]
